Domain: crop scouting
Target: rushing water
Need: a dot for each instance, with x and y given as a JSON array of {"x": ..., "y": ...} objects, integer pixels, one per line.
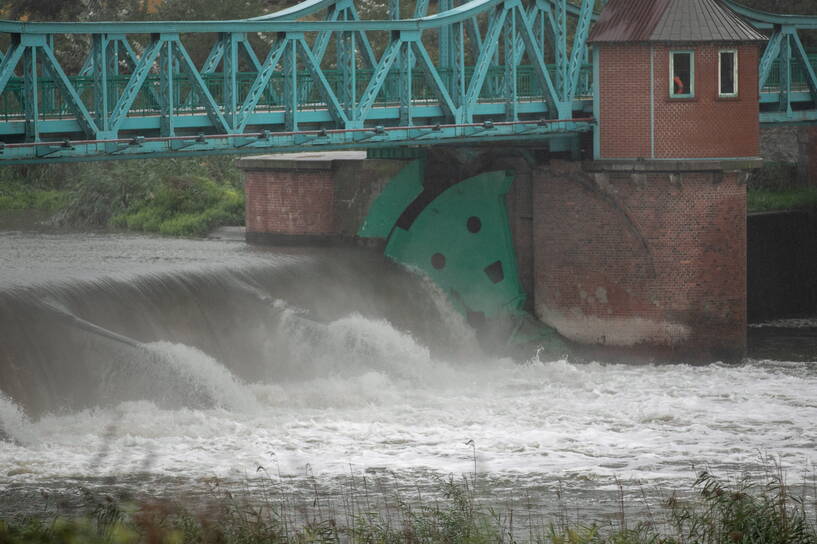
[{"x": 158, "y": 364}]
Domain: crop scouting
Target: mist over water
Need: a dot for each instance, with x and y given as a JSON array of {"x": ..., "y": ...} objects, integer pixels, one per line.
[{"x": 219, "y": 360}]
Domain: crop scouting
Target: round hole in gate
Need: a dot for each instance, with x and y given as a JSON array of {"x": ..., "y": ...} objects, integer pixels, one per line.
[
  {"x": 438, "y": 261},
  {"x": 474, "y": 224}
]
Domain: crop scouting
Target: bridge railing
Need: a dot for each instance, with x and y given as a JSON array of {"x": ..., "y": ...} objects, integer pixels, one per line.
[
  {"x": 787, "y": 72},
  {"x": 799, "y": 74},
  {"x": 503, "y": 65},
  {"x": 188, "y": 101}
]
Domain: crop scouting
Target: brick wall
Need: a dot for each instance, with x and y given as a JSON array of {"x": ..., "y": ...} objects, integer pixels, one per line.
[
  {"x": 290, "y": 202},
  {"x": 624, "y": 88},
  {"x": 652, "y": 262},
  {"x": 705, "y": 126}
]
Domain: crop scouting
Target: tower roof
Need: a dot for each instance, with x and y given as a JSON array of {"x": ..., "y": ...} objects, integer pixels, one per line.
[{"x": 671, "y": 21}]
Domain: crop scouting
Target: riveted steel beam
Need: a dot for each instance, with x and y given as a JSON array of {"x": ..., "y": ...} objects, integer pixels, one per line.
[
  {"x": 187, "y": 67},
  {"x": 70, "y": 95},
  {"x": 135, "y": 85}
]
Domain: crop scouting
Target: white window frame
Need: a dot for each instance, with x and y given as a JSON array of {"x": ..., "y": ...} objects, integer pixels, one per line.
[
  {"x": 735, "y": 72},
  {"x": 691, "y": 93}
]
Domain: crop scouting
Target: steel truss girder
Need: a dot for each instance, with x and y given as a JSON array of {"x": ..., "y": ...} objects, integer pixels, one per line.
[
  {"x": 287, "y": 142},
  {"x": 182, "y": 100}
]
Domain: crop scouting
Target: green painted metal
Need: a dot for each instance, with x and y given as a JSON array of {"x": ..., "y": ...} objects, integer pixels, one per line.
[
  {"x": 498, "y": 60},
  {"x": 787, "y": 73},
  {"x": 121, "y": 104},
  {"x": 476, "y": 268},
  {"x": 461, "y": 239},
  {"x": 390, "y": 204}
]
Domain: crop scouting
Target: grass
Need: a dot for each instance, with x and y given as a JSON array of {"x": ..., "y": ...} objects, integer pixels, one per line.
[
  {"x": 760, "y": 200},
  {"x": 177, "y": 197},
  {"x": 32, "y": 199},
  {"x": 184, "y": 206},
  {"x": 760, "y": 511}
]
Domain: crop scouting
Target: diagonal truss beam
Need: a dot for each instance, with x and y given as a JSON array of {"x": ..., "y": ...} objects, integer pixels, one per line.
[
  {"x": 486, "y": 56},
  {"x": 261, "y": 82},
  {"x": 536, "y": 56},
  {"x": 9, "y": 64},
  {"x": 189, "y": 69},
  {"x": 378, "y": 78},
  {"x": 313, "y": 66},
  {"x": 70, "y": 95},
  {"x": 579, "y": 53},
  {"x": 770, "y": 55},
  {"x": 135, "y": 85},
  {"x": 802, "y": 56},
  {"x": 434, "y": 80}
]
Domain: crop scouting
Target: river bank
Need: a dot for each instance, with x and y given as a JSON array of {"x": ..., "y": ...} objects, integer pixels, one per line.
[
  {"x": 173, "y": 197},
  {"x": 743, "y": 510}
]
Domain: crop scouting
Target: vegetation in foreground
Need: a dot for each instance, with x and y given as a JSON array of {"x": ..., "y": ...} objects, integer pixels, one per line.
[
  {"x": 743, "y": 512},
  {"x": 181, "y": 197}
]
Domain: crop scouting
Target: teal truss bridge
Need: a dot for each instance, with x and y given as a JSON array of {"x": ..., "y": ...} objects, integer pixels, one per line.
[{"x": 317, "y": 76}]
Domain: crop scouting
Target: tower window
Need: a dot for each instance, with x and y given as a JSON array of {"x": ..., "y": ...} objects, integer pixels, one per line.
[
  {"x": 682, "y": 74},
  {"x": 728, "y": 73}
]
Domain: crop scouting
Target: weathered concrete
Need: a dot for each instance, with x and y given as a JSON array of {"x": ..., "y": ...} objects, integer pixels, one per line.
[{"x": 795, "y": 145}]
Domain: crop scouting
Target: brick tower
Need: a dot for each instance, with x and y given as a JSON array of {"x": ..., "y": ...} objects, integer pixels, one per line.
[{"x": 644, "y": 248}]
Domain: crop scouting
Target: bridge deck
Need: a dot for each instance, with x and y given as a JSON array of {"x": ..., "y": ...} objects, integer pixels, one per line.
[{"x": 486, "y": 70}]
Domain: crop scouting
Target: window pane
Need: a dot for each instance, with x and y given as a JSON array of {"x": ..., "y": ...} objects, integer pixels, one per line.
[
  {"x": 727, "y": 72},
  {"x": 681, "y": 73}
]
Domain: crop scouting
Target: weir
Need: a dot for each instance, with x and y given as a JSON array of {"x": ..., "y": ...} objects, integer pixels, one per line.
[
  {"x": 209, "y": 359},
  {"x": 78, "y": 343},
  {"x": 637, "y": 245}
]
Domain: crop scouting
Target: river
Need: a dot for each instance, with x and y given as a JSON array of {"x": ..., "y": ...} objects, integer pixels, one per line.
[{"x": 150, "y": 366}]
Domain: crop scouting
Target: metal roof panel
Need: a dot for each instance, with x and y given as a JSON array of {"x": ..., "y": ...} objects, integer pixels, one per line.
[
  {"x": 671, "y": 21},
  {"x": 628, "y": 20}
]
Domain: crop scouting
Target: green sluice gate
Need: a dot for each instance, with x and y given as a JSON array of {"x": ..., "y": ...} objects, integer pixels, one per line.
[{"x": 460, "y": 237}]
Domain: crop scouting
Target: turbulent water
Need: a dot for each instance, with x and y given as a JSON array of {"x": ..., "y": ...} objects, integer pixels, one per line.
[{"x": 160, "y": 364}]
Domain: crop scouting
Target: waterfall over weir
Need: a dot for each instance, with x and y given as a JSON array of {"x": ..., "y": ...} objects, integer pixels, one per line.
[
  {"x": 187, "y": 338},
  {"x": 159, "y": 364}
]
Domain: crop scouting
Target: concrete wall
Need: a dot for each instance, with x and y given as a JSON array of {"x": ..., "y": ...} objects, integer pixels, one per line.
[
  {"x": 782, "y": 265},
  {"x": 793, "y": 144},
  {"x": 648, "y": 261},
  {"x": 704, "y": 126}
]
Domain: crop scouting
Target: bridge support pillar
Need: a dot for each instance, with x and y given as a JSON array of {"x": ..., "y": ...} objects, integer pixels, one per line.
[
  {"x": 311, "y": 198},
  {"x": 289, "y": 200},
  {"x": 644, "y": 258}
]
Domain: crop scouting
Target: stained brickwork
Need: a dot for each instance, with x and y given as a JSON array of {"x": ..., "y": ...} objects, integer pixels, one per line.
[
  {"x": 705, "y": 126},
  {"x": 290, "y": 202},
  {"x": 652, "y": 261}
]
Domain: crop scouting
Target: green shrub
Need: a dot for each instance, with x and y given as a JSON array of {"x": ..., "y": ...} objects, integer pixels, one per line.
[
  {"x": 178, "y": 197},
  {"x": 184, "y": 206},
  {"x": 32, "y": 199},
  {"x": 768, "y": 200}
]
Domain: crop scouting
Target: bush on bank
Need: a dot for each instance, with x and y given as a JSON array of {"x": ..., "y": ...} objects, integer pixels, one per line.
[
  {"x": 180, "y": 197},
  {"x": 762, "y": 200},
  {"x": 744, "y": 512}
]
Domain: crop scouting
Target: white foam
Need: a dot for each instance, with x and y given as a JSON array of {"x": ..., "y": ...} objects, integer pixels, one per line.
[
  {"x": 374, "y": 397},
  {"x": 13, "y": 420},
  {"x": 205, "y": 375}
]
